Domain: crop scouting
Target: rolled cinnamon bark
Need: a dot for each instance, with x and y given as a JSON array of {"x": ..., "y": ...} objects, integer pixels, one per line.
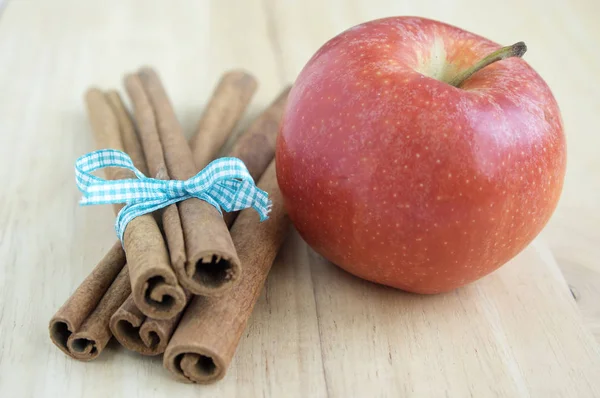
[
  {"x": 107, "y": 132},
  {"x": 256, "y": 148},
  {"x": 136, "y": 332},
  {"x": 205, "y": 340},
  {"x": 93, "y": 335},
  {"x": 155, "y": 288},
  {"x": 80, "y": 326},
  {"x": 212, "y": 265},
  {"x": 224, "y": 110},
  {"x": 78, "y": 308},
  {"x": 129, "y": 138}
]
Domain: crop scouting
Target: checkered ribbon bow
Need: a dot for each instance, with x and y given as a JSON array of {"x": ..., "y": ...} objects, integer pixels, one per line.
[{"x": 225, "y": 183}]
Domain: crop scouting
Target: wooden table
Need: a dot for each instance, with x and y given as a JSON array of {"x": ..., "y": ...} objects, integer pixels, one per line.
[{"x": 316, "y": 331}]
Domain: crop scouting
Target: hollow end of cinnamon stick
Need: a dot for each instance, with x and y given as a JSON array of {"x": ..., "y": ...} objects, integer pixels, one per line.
[
  {"x": 83, "y": 347},
  {"x": 60, "y": 331},
  {"x": 131, "y": 334},
  {"x": 212, "y": 274},
  {"x": 196, "y": 365},
  {"x": 158, "y": 295},
  {"x": 136, "y": 332},
  {"x": 91, "y": 295}
]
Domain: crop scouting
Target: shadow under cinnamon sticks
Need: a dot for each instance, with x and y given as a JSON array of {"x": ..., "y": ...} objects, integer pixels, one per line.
[{"x": 256, "y": 148}]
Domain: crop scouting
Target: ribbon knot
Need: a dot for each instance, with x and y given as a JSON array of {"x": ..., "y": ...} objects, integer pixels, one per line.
[{"x": 225, "y": 183}]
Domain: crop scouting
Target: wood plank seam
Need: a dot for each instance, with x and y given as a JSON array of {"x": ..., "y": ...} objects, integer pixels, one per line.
[
  {"x": 3, "y": 6},
  {"x": 316, "y": 297},
  {"x": 274, "y": 40}
]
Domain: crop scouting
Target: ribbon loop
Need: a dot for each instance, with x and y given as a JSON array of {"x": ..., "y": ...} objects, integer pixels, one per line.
[{"x": 225, "y": 183}]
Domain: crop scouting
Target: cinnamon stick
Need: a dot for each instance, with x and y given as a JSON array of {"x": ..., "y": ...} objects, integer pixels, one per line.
[
  {"x": 224, "y": 110},
  {"x": 136, "y": 332},
  {"x": 79, "y": 307},
  {"x": 166, "y": 298},
  {"x": 129, "y": 325},
  {"x": 205, "y": 340},
  {"x": 153, "y": 281},
  {"x": 212, "y": 265},
  {"x": 256, "y": 148},
  {"x": 88, "y": 342},
  {"x": 129, "y": 138},
  {"x": 106, "y": 128},
  {"x": 80, "y": 326}
]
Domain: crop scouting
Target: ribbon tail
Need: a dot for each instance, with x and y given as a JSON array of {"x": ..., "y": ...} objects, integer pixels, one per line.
[{"x": 262, "y": 204}]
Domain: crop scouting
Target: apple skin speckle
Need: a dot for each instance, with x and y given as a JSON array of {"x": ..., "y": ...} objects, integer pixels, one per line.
[{"x": 472, "y": 174}]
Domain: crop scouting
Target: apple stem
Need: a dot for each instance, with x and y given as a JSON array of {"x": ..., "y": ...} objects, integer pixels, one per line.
[{"x": 516, "y": 50}]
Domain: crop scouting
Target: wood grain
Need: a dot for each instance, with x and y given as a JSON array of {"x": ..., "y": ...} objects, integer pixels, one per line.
[
  {"x": 315, "y": 330},
  {"x": 485, "y": 340}
]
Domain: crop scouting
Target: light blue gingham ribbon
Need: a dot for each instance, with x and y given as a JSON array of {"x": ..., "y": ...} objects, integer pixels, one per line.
[{"x": 225, "y": 183}]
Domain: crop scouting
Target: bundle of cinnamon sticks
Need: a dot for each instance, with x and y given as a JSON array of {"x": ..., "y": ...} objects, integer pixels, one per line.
[{"x": 185, "y": 279}]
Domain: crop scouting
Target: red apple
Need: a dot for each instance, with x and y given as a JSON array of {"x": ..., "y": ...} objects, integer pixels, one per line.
[{"x": 401, "y": 169}]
